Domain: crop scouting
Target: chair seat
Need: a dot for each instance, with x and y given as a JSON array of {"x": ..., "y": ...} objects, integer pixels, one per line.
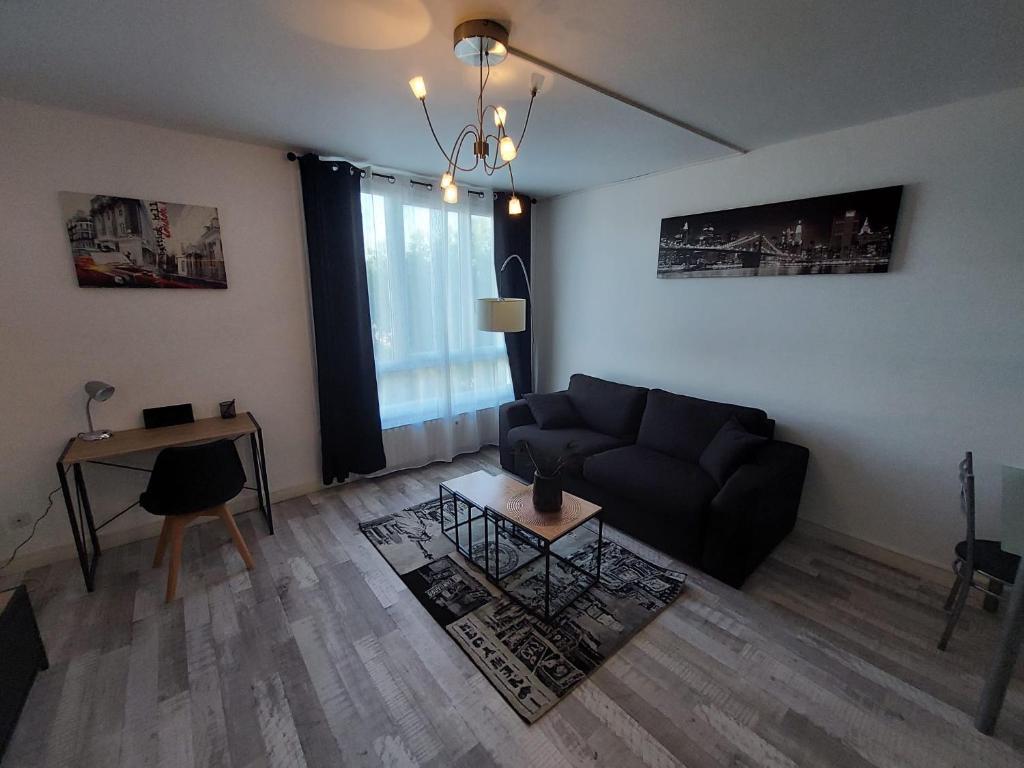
[{"x": 990, "y": 558}]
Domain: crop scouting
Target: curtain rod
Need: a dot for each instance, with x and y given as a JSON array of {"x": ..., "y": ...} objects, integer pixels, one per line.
[{"x": 389, "y": 178}]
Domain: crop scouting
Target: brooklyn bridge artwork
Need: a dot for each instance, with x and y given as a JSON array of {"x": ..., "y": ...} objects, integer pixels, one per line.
[
  {"x": 124, "y": 242},
  {"x": 834, "y": 234}
]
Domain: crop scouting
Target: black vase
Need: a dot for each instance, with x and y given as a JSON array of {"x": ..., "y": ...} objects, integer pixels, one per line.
[{"x": 547, "y": 492}]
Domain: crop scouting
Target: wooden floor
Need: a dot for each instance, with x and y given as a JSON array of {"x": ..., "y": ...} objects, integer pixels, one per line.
[{"x": 320, "y": 657}]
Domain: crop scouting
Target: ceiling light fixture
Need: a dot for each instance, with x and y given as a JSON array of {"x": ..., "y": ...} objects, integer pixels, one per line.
[{"x": 481, "y": 43}]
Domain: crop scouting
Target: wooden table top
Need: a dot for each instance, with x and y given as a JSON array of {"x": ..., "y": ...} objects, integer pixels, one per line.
[
  {"x": 135, "y": 440},
  {"x": 513, "y": 500}
]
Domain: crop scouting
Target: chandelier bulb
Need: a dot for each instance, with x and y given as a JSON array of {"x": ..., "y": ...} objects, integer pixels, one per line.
[
  {"x": 507, "y": 148},
  {"x": 500, "y": 113},
  {"x": 514, "y": 206},
  {"x": 446, "y": 180},
  {"x": 451, "y": 193},
  {"x": 419, "y": 88}
]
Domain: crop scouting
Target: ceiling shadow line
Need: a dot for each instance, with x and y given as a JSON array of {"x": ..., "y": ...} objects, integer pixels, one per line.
[{"x": 626, "y": 100}]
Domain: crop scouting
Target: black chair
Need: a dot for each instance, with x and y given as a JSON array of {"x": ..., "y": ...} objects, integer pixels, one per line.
[
  {"x": 975, "y": 556},
  {"x": 190, "y": 482}
]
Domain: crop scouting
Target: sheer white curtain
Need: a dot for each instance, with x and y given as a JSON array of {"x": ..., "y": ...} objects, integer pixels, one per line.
[{"x": 439, "y": 379}]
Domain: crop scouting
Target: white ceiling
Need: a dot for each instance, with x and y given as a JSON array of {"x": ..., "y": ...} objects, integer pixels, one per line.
[{"x": 331, "y": 75}]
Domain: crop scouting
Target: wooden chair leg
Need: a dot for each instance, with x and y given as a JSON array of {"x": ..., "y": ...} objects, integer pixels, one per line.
[
  {"x": 177, "y": 533},
  {"x": 161, "y": 543},
  {"x": 243, "y": 550}
]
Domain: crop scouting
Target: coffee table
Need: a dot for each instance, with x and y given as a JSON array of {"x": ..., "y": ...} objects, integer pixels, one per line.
[{"x": 503, "y": 503}]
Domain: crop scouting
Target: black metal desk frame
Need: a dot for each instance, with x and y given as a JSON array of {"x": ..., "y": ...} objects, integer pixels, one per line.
[{"x": 80, "y": 511}]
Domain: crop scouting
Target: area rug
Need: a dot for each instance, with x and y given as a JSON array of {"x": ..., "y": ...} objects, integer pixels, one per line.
[{"x": 532, "y": 664}]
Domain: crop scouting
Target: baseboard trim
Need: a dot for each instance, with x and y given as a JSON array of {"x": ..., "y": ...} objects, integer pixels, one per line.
[
  {"x": 938, "y": 573},
  {"x": 927, "y": 569},
  {"x": 149, "y": 529}
]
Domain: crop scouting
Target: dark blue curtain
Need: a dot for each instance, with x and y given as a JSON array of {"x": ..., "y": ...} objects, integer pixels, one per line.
[
  {"x": 512, "y": 236},
  {"x": 350, "y": 432}
]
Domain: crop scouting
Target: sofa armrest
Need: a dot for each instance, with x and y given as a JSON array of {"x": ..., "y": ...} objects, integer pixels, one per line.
[
  {"x": 754, "y": 511},
  {"x": 514, "y": 414}
]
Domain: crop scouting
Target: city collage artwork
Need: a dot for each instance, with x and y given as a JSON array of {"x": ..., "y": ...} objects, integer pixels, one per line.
[
  {"x": 833, "y": 234},
  {"x": 124, "y": 242}
]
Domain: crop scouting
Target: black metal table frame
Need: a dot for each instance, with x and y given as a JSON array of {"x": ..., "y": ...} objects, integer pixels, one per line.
[
  {"x": 542, "y": 545},
  {"x": 470, "y": 506},
  {"x": 80, "y": 514}
]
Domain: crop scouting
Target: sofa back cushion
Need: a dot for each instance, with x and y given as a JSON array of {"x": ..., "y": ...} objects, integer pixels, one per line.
[
  {"x": 729, "y": 449},
  {"x": 553, "y": 410},
  {"x": 684, "y": 426},
  {"x": 606, "y": 407}
]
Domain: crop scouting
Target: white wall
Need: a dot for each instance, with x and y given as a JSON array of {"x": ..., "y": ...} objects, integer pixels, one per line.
[
  {"x": 886, "y": 378},
  {"x": 252, "y": 342}
]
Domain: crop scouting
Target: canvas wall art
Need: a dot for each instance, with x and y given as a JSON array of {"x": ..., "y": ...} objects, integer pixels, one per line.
[
  {"x": 124, "y": 242},
  {"x": 830, "y": 235}
]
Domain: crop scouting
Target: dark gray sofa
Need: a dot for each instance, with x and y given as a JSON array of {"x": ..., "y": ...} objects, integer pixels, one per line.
[{"x": 640, "y": 450}]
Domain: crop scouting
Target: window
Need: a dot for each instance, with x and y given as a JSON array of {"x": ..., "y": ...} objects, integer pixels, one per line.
[{"x": 427, "y": 263}]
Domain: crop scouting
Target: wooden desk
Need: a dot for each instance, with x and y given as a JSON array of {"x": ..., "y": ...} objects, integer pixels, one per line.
[{"x": 78, "y": 452}]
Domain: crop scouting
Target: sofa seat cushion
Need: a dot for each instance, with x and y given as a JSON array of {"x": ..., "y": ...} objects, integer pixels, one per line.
[
  {"x": 684, "y": 426},
  {"x": 549, "y": 444},
  {"x": 607, "y": 407},
  {"x": 658, "y": 482}
]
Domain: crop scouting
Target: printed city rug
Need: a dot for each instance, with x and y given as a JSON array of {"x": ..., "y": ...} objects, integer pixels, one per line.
[{"x": 533, "y": 664}]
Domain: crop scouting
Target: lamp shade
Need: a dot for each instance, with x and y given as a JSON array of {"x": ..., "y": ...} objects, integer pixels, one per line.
[
  {"x": 98, "y": 390},
  {"x": 508, "y": 315}
]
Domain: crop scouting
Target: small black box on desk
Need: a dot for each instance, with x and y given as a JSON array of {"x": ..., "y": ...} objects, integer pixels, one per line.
[{"x": 167, "y": 415}]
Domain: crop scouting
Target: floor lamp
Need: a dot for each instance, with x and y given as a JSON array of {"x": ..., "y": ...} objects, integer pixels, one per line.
[{"x": 508, "y": 315}]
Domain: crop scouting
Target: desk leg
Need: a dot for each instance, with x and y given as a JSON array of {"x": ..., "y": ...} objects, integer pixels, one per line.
[
  {"x": 83, "y": 554},
  {"x": 259, "y": 475},
  {"x": 1010, "y": 639},
  {"x": 268, "y": 512},
  {"x": 83, "y": 494},
  {"x": 259, "y": 467}
]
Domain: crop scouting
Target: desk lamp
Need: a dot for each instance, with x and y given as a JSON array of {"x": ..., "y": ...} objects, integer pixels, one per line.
[{"x": 97, "y": 390}]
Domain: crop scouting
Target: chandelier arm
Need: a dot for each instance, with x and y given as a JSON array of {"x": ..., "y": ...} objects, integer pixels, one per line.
[
  {"x": 433, "y": 133},
  {"x": 526, "y": 123},
  {"x": 485, "y": 58},
  {"x": 489, "y": 167},
  {"x": 457, "y": 149}
]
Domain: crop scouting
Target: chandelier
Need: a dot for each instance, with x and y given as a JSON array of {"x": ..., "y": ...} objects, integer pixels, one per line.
[{"x": 484, "y": 44}]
